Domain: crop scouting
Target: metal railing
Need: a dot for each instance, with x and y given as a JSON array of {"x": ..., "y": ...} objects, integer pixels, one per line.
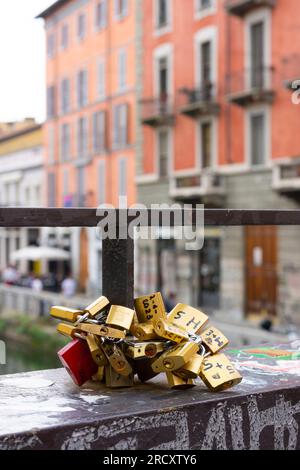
[{"x": 250, "y": 80}]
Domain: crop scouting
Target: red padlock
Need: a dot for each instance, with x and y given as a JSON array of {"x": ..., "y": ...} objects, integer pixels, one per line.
[{"x": 77, "y": 360}]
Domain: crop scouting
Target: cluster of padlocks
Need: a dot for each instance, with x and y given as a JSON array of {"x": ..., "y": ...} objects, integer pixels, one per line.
[{"x": 112, "y": 343}]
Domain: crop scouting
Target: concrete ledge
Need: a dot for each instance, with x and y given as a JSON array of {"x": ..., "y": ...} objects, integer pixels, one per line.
[{"x": 44, "y": 410}]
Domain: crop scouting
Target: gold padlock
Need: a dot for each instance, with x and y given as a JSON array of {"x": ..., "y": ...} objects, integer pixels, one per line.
[
  {"x": 120, "y": 317},
  {"x": 99, "y": 376},
  {"x": 143, "y": 331},
  {"x": 188, "y": 318},
  {"x": 63, "y": 313},
  {"x": 144, "y": 350},
  {"x": 167, "y": 330},
  {"x": 218, "y": 373},
  {"x": 177, "y": 383},
  {"x": 97, "y": 306},
  {"x": 96, "y": 351},
  {"x": 150, "y": 308},
  {"x": 214, "y": 340},
  {"x": 115, "y": 380},
  {"x": 144, "y": 370},
  {"x": 101, "y": 330},
  {"x": 117, "y": 359},
  {"x": 175, "y": 358},
  {"x": 67, "y": 330},
  {"x": 191, "y": 369}
]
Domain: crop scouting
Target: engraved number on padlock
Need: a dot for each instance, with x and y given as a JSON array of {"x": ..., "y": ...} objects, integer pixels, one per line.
[
  {"x": 214, "y": 339},
  {"x": 149, "y": 308},
  {"x": 218, "y": 373}
]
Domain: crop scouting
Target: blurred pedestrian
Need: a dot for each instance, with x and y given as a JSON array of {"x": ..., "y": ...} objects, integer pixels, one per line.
[
  {"x": 10, "y": 275},
  {"x": 69, "y": 286},
  {"x": 36, "y": 284}
]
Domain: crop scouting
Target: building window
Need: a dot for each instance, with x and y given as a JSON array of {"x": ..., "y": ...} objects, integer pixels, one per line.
[
  {"x": 257, "y": 52},
  {"x": 122, "y": 69},
  {"x": 51, "y": 101},
  {"x": 65, "y": 144},
  {"x": 121, "y": 9},
  {"x": 122, "y": 173},
  {"x": 206, "y": 61},
  {"x": 257, "y": 138},
  {"x": 51, "y": 190},
  {"x": 99, "y": 131},
  {"x": 65, "y": 96},
  {"x": 101, "y": 15},
  {"x": 101, "y": 82},
  {"x": 81, "y": 26},
  {"x": 82, "y": 88},
  {"x": 102, "y": 182},
  {"x": 65, "y": 185},
  {"x": 64, "y": 36},
  {"x": 163, "y": 76},
  {"x": 205, "y": 7},
  {"x": 163, "y": 152},
  {"x": 51, "y": 145},
  {"x": 120, "y": 125},
  {"x": 80, "y": 202},
  {"x": 82, "y": 138},
  {"x": 50, "y": 45},
  {"x": 162, "y": 8},
  {"x": 206, "y": 144}
]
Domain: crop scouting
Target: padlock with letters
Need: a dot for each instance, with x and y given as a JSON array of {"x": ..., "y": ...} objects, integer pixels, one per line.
[
  {"x": 218, "y": 373},
  {"x": 188, "y": 318},
  {"x": 150, "y": 308},
  {"x": 120, "y": 317},
  {"x": 168, "y": 330},
  {"x": 214, "y": 340},
  {"x": 175, "y": 357}
]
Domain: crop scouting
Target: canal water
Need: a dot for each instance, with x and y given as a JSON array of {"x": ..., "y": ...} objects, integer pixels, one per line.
[{"x": 19, "y": 359}]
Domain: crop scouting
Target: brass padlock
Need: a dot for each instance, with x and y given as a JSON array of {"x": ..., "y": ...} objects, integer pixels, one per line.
[
  {"x": 214, "y": 340},
  {"x": 68, "y": 330},
  {"x": 117, "y": 359},
  {"x": 96, "y": 350},
  {"x": 101, "y": 330},
  {"x": 218, "y": 373},
  {"x": 63, "y": 313},
  {"x": 167, "y": 330},
  {"x": 143, "y": 331},
  {"x": 97, "y": 306},
  {"x": 191, "y": 369},
  {"x": 99, "y": 376},
  {"x": 144, "y": 350},
  {"x": 115, "y": 380},
  {"x": 150, "y": 308},
  {"x": 177, "y": 383},
  {"x": 188, "y": 318},
  {"x": 176, "y": 357},
  {"x": 144, "y": 370},
  {"x": 120, "y": 317}
]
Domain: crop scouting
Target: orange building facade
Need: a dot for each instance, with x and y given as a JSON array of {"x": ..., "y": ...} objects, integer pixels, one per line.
[
  {"x": 219, "y": 119},
  {"x": 90, "y": 127}
]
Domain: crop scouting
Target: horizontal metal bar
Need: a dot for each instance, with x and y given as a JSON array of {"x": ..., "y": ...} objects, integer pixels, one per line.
[{"x": 77, "y": 217}]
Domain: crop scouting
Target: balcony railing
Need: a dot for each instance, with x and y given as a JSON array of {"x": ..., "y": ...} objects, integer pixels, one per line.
[
  {"x": 242, "y": 7},
  {"x": 199, "y": 101},
  {"x": 286, "y": 176},
  {"x": 206, "y": 183},
  {"x": 157, "y": 111},
  {"x": 250, "y": 86}
]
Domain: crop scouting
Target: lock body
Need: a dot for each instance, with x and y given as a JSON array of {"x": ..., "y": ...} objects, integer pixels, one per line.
[
  {"x": 66, "y": 329},
  {"x": 120, "y": 317},
  {"x": 77, "y": 360},
  {"x": 101, "y": 330},
  {"x": 191, "y": 369},
  {"x": 214, "y": 340},
  {"x": 177, "y": 383},
  {"x": 115, "y": 380},
  {"x": 97, "y": 306},
  {"x": 175, "y": 358},
  {"x": 218, "y": 373},
  {"x": 96, "y": 350},
  {"x": 188, "y": 318},
  {"x": 143, "y": 331},
  {"x": 150, "y": 308},
  {"x": 63, "y": 313},
  {"x": 99, "y": 376},
  {"x": 143, "y": 369},
  {"x": 145, "y": 350},
  {"x": 117, "y": 359},
  {"x": 169, "y": 331}
]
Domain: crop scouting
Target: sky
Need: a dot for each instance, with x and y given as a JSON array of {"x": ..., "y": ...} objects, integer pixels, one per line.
[{"x": 22, "y": 60}]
